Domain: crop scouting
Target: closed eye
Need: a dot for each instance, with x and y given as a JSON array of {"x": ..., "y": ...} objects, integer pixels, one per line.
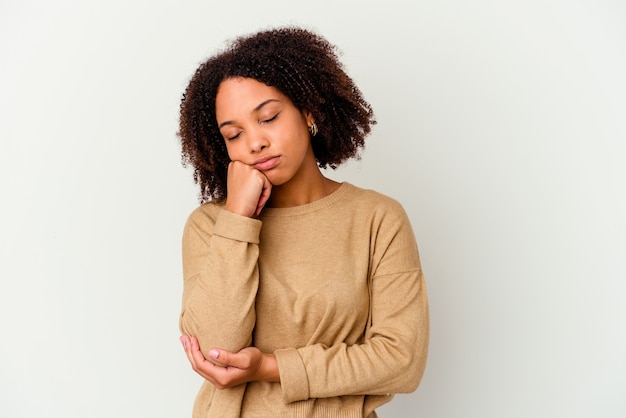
[
  {"x": 270, "y": 119},
  {"x": 230, "y": 138}
]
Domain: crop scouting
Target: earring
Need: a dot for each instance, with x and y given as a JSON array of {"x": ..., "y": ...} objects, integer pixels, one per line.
[{"x": 313, "y": 129}]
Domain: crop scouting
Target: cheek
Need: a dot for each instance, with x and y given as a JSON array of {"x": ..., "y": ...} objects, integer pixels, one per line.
[{"x": 231, "y": 150}]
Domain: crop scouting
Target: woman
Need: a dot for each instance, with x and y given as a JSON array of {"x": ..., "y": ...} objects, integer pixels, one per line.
[{"x": 303, "y": 297}]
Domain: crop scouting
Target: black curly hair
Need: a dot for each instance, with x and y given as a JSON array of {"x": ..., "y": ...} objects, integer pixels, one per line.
[{"x": 300, "y": 64}]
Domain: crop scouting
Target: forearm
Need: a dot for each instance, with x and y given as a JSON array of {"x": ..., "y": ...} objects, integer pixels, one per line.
[
  {"x": 219, "y": 309},
  {"x": 221, "y": 282},
  {"x": 391, "y": 359}
]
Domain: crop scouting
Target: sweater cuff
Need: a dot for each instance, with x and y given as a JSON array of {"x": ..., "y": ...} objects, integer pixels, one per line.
[
  {"x": 237, "y": 227},
  {"x": 293, "y": 378}
]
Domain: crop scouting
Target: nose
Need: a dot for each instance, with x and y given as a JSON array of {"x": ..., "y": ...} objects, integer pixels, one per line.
[{"x": 257, "y": 141}]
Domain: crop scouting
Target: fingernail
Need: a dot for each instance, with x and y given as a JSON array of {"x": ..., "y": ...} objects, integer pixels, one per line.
[{"x": 214, "y": 354}]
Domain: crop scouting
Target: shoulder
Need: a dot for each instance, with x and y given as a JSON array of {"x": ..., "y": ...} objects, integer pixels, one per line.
[
  {"x": 383, "y": 216},
  {"x": 373, "y": 201},
  {"x": 390, "y": 231},
  {"x": 203, "y": 217}
]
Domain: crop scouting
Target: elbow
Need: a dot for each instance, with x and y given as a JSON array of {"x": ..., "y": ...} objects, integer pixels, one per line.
[
  {"x": 212, "y": 331},
  {"x": 410, "y": 368},
  {"x": 185, "y": 325},
  {"x": 418, "y": 354},
  {"x": 189, "y": 323},
  {"x": 414, "y": 377},
  {"x": 410, "y": 372}
]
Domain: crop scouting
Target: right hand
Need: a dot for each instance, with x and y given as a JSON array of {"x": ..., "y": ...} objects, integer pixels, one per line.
[{"x": 248, "y": 189}]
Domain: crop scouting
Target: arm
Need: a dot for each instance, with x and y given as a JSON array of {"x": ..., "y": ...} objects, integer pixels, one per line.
[
  {"x": 392, "y": 356},
  {"x": 220, "y": 264},
  {"x": 220, "y": 255}
]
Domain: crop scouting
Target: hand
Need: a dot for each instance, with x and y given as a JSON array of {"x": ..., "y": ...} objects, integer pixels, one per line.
[
  {"x": 247, "y": 365},
  {"x": 248, "y": 189}
]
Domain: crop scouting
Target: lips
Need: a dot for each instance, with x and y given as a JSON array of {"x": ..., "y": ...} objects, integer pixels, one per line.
[{"x": 266, "y": 163}]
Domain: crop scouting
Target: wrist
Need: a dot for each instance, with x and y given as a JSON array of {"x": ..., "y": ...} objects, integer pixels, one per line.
[
  {"x": 239, "y": 209},
  {"x": 269, "y": 369}
]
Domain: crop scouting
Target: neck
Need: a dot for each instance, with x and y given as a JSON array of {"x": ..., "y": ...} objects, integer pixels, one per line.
[{"x": 310, "y": 188}]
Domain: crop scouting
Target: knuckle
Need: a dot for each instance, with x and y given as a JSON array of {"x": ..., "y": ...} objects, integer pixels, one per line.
[{"x": 221, "y": 383}]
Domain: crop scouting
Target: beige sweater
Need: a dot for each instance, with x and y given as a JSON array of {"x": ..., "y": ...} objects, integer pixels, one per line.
[{"x": 333, "y": 288}]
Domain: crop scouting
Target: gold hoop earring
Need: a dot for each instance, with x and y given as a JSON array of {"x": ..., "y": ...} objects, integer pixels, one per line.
[{"x": 313, "y": 129}]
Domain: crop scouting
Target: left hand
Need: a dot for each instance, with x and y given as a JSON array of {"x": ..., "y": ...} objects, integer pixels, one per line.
[{"x": 247, "y": 365}]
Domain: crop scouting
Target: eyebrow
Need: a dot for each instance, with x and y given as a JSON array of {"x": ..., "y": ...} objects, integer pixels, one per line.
[{"x": 256, "y": 109}]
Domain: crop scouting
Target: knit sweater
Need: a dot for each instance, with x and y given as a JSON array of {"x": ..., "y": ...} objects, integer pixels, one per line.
[{"x": 333, "y": 288}]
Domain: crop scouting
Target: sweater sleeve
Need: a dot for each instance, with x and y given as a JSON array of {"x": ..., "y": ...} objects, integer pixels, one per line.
[
  {"x": 392, "y": 356},
  {"x": 221, "y": 277}
]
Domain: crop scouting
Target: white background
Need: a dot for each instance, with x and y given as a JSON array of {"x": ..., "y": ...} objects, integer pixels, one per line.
[{"x": 501, "y": 130}]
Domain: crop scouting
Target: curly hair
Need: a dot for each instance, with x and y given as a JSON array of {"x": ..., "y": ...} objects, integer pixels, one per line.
[{"x": 303, "y": 66}]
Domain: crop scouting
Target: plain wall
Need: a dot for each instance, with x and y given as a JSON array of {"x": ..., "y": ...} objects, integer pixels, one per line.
[{"x": 501, "y": 130}]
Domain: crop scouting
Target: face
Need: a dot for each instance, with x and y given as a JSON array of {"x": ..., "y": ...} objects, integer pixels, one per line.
[{"x": 263, "y": 128}]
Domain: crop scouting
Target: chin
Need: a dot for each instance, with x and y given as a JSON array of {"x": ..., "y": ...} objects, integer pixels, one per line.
[{"x": 276, "y": 180}]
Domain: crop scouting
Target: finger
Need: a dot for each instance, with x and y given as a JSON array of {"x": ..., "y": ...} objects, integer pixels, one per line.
[
  {"x": 196, "y": 353},
  {"x": 265, "y": 195},
  {"x": 221, "y": 358},
  {"x": 198, "y": 356},
  {"x": 186, "y": 341},
  {"x": 218, "y": 355},
  {"x": 200, "y": 364},
  {"x": 241, "y": 360}
]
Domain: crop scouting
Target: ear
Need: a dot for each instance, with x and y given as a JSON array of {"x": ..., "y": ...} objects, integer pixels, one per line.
[{"x": 308, "y": 116}]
